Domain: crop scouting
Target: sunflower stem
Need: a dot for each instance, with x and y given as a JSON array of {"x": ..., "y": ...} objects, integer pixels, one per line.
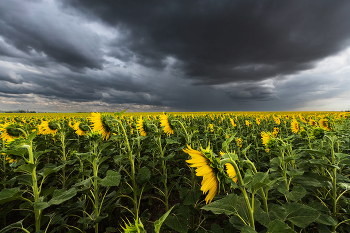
[{"x": 244, "y": 192}]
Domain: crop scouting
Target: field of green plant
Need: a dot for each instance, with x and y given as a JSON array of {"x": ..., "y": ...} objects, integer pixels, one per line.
[{"x": 178, "y": 172}]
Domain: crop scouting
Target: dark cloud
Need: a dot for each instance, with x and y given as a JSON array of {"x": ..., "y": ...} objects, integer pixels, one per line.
[
  {"x": 172, "y": 55},
  {"x": 37, "y": 30},
  {"x": 226, "y": 41}
]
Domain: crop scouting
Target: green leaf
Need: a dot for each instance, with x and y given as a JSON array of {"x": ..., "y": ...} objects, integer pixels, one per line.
[
  {"x": 48, "y": 171},
  {"x": 192, "y": 196},
  {"x": 119, "y": 158},
  {"x": 342, "y": 156},
  {"x": 300, "y": 215},
  {"x": 25, "y": 179},
  {"x": 112, "y": 179},
  {"x": 40, "y": 205},
  {"x": 277, "y": 226},
  {"x": 179, "y": 221},
  {"x": 16, "y": 225},
  {"x": 296, "y": 194},
  {"x": 326, "y": 220},
  {"x": 159, "y": 222},
  {"x": 9, "y": 194},
  {"x": 248, "y": 229},
  {"x": 226, "y": 205},
  {"x": 26, "y": 168},
  {"x": 143, "y": 176},
  {"x": 62, "y": 195},
  {"x": 172, "y": 155},
  {"x": 215, "y": 228},
  {"x": 171, "y": 141},
  {"x": 261, "y": 216},
  {"x": 260, "y": 179}
]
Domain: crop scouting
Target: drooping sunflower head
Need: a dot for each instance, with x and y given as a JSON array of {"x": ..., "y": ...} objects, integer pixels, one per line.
[
  {"x": 80, "y": 128},
  {"x": 9, "y": 132},
  {"x": 318, "y": 133},
  {"x": 295, "y": 126},
  {"x": 140, "y": 127},
  {"x": 248, "y": 123},
  {"x": 100, "y": 124},
  {"x": 47, "y": 127},
  {"x": 205, "y": 167},
  {"x": 164, "y": 122},
  {"x": 233, "y": 123},
  {"x": 231, "y": 172},
  {"x": 265, "y": 137}
]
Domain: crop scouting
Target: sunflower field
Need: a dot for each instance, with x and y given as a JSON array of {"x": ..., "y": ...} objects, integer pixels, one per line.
[{"x": 175, "y": 172}]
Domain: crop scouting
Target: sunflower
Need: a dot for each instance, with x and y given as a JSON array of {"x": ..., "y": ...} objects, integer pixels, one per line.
[
  {"x": 164, "y": 122},
  {"x": 44, "y": 129},
  {"x": 100, "y": 125},
  {"x": 210, "y": 183},
  {"x": 233, "y": 123},
  {"x": 312, "y": 122},
  {"x": 295, "y": 126},
  {"x": 265, "y": 137},
  {"x": 248, "y": 123},
  {"x": 302, "y": 118},
  {"x": 4, "y": 133},
  {"x": 277, "y": 120},
  {"x": 239, "y": 142},
  {"x": 78, "y": 130},
  {"x": 210, "y": 127},
  {"x": 275, "y": 131},
  {"x": 258, "y": 121},
  {"x": 323, "y": 123},
  {"x": 140, "y": 127},
  {"x": 231, "y": 172}
]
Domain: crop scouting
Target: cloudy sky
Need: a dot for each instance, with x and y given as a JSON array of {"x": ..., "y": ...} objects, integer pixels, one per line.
[{"x": 175, "y": 55}]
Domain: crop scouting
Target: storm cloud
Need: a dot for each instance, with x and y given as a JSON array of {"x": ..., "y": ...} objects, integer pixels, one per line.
[{"x": 174, "y": 55}]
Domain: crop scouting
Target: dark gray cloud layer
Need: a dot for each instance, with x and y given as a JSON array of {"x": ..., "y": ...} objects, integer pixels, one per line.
[
  {"x": 172, "y": 55},
  {"x": 225, "y": 41}
]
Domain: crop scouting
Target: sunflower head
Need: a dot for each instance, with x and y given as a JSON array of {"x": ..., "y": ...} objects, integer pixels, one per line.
[
  {"x": 318, "y": 133},
  {"x": 210, "y": 128},
  {"x": 233, "y": 123},
  {"x": 303, "y": 132},
  {"x": 239, "y": 142},
  {"x": 265, "y": 137},
  {"x": 323, "y": 123},
  {"x": 248, "y": 123},
  {"x": 295, "y": 126},
  {"x": 207, "y": 166},
  {"x": 9, "y": 132},
  {"x": 100, "y": 124},
  {"x": 277, "y": 120},
  {"x": 312, "y": 122},
  {"x": 164, "y": 122},
  {"x": 140, "y": 127},
  {"x": 47, "y": 127},
  {"x": 258, "y": 121},
  {"x": 275, "y": 132},
  {"x": 231, "y": 172}
]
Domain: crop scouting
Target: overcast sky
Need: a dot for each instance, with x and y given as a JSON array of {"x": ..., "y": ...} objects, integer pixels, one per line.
[{"x": 174, "y": 55}]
